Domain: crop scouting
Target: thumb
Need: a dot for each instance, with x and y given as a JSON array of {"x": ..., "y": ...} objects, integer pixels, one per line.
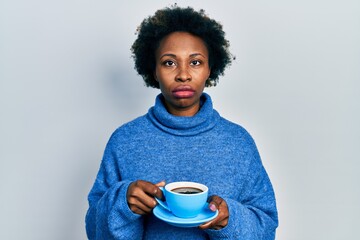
[
  {"x": 159, "y": 194},
  {"x": 160, "y": 184},
  {"x": 214, "y": 202}
]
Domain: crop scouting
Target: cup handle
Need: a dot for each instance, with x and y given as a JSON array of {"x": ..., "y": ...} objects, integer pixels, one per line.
[{"x": 161, "y": 203}]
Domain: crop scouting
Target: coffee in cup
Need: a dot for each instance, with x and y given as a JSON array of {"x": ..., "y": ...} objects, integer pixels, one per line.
[
  {"x": 184, "y": 199},
  {"x": 187, "y": 190}
]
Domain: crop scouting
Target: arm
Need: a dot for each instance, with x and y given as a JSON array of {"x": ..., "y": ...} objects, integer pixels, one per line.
[
  {"x": 254, "y": 216},
  {"x": 109, "y": 216}
]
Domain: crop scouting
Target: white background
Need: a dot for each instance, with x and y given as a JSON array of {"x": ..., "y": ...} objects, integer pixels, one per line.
[{"x": 67, "y": 82}]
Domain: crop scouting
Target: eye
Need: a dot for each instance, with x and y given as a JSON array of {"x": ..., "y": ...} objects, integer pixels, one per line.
[
  {"x": 195, "y": 62},
  {"x": 169, "y": 63}
]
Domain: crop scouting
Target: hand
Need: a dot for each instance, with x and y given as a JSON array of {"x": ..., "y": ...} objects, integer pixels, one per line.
[
  {"x": 140, "y": 196},
  {"x": 222, "y": 219}
]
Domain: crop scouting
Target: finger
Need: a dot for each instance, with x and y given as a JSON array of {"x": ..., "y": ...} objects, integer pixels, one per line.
[
  {"x": 136, "y": 193},
  {"x": 222, "y": 224},
  {"x": 214, "y": 203},
  {"x": 160, "y": 184},
  {"x": 159, "y": 194},
  {"x": 213, "y": 207},
  {"x": 207, "y": 225},
  {"x": 217, "y": 223},
  {"x": 138, "y": 211},
  {"x": 212, "y": 223},
  {"x": 135, "y": 204},
  {"x": 148, "y": 188},
  {"x": 142, "y": 197}
]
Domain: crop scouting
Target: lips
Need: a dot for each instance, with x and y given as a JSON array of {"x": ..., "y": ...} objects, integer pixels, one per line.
[{"x": 183, "y": 91}]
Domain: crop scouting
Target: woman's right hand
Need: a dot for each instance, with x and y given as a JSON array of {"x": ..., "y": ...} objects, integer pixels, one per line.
[{"x": 141, "y": 196}]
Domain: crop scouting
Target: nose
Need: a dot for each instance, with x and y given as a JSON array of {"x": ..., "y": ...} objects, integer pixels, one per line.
[{"x": 183, "y": 74}]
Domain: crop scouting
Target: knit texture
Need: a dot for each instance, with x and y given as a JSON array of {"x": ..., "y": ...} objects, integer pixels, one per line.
[{"x": 205, "y": 148}]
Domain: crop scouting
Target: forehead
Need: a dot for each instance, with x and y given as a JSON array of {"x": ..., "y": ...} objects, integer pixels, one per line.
[{"x": 182, "y": 42}]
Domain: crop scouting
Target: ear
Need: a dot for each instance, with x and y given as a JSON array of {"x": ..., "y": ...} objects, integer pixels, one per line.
[
  {"x": 209, "y": 73},
  {"x": 208, "y": 80},
  {"x": 155, "y": 77}
]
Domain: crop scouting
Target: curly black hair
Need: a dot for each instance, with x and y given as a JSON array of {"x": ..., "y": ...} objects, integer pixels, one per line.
[{"x": 173, "y": 19}]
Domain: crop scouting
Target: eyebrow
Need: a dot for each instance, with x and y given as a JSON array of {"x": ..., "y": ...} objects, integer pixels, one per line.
[{"x": 173, "y": 55}]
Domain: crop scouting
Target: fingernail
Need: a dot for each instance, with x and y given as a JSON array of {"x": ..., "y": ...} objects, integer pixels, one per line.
[{"x": 212, "y": 207}]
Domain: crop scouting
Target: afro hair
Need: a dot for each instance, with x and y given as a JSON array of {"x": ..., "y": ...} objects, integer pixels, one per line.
[{"x": 173, "y": 19}]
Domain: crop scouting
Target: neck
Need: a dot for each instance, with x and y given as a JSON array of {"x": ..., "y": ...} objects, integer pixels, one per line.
[
  {"x": 183, "y": 122},
  {"x": 183, "y": 112}
]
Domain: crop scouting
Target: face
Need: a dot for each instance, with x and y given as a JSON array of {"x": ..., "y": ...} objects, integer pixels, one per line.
[{"x": 182, "y": 68}]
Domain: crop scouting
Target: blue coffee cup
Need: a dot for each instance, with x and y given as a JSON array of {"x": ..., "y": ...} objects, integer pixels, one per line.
[{"x": 184, "y": 199}]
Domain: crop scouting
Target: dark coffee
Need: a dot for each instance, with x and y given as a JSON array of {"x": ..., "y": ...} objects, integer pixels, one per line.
[{"x": 187, "y": 190}]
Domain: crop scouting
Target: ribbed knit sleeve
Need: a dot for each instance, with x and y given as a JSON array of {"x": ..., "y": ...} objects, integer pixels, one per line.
[
  {"x": 109, "y": 216},
  {"x": 250, "y": 221},
  {"x": 253, "y": 216}
]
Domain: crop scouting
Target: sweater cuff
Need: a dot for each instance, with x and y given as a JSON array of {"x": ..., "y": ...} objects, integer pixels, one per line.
[
  {"x": 232, "y": 229},
  {"x": 122, "y": 205}
]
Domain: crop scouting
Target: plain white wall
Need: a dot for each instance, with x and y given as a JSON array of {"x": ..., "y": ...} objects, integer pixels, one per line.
[{"x": 67, "y": 81}]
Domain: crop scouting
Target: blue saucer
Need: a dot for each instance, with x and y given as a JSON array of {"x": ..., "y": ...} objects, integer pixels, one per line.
[{"x": 204, "y": 216}]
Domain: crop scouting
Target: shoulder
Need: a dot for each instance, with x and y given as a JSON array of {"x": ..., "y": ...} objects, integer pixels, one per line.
[
  {"x": 235, "y": 134},
  {"x": 237, "y": 137},
  {"x": 233, "y": 129},
  {"x": 130, "y": 129}
]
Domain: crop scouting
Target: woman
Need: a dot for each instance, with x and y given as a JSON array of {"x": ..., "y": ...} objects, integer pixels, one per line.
[{"x": 181, "y": 138}]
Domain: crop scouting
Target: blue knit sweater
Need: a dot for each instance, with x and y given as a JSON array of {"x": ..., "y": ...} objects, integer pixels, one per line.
[{"x": 205, "y": 148}]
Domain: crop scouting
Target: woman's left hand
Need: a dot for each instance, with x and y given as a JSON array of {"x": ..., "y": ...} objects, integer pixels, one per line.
[{"x": 217, "y": 203}]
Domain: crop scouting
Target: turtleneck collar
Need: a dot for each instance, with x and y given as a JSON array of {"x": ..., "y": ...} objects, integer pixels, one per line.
[{"x": 204, "y": 120}]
